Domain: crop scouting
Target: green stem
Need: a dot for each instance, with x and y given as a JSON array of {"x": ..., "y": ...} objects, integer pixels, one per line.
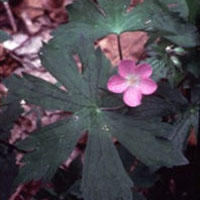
[{"x": 119, "y": 47}]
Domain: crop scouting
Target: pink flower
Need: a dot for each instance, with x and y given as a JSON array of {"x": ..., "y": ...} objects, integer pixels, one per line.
[{"x": 133, "y": 81}]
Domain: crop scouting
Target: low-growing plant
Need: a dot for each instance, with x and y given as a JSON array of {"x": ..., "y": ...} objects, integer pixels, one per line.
[{"x": 147, "y": 128}]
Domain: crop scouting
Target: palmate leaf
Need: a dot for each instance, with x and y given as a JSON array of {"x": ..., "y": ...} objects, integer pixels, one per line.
[
  {"x": 53, "y": 144},
  {"x": 178, "y": 6},
  {"x": 170, "y": 26},
  {"x": 111, "y": 17},
  {"x": 103, "y": 173},
  {"x": 162, "y": 152}
]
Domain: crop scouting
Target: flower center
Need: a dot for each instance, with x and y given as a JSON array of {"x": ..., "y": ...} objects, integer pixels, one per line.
[{"x": 132, "y": 80}]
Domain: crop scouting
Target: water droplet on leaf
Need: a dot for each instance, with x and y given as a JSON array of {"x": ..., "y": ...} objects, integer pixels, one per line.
[
  {"x": 105, "y": 128},
  {"x": 76, "y": 118}
]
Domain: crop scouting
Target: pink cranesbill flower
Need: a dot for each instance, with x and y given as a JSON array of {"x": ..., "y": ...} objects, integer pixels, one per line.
[{"x": 133, "y": 81}]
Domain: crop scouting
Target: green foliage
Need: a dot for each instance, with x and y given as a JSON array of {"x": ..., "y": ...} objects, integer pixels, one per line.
[
  {"x": 103, "y": 174},
  {"x": 54, "y": 143},
  {"x": 160, "y": 69},
  {"x": 111, "y": 17},
  {"x": 182, "y": 128},
  {"x": 194, "y": 6},
  {"x": 165, "y": 66},
  {"x": 138, "y": 196},
  {"x": 178, "y": 6},
  {"x": 140, "y": 130},
  {"x": 9, "y": 114},
  {"x": 192, "y": 63},
  {"x": 166, "y": 24},
  {"x": 3, "y": 36},
  {"x": 143, "y": 176},
  {"x": 8, "y": 171}
]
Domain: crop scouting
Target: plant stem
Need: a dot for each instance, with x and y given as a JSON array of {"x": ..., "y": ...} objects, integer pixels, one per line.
[
  {"x": 10, "y": 17},
  {"x": 12, "y": 146},
  {"x": 119, "y": 47}
]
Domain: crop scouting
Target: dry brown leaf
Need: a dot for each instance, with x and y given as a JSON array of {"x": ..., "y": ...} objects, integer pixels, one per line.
[{"x": 132, "y": 46}]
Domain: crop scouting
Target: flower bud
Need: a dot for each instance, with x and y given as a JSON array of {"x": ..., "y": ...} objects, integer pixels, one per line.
[
  {"x": 175, "y": 61},
  {"x": 179, "y": 51},
  {"x": 169, "y": 49}
]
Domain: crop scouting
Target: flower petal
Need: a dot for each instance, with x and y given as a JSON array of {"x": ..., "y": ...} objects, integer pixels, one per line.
[
  {"x": 132, "y": 97},
  {"x": 126, "y": 67},
  {"x": 117, "y": 84},
  {"x": 147, "y": 86},
  {"x": 144, "y": 70}
]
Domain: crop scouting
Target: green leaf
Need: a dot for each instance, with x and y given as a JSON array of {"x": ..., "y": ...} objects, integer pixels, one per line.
[
  {"x": 39, "y": 92},
  {"x": 61, "y": 64},
  {"x": 165, "y": 68},
  {"x": 104, "y": 176},
  {"x": 4, "y": 36},
  {"x": 182, "y": 127},
  {"x": 143, "y": 177},
  {"x": 179, "y": 6},
  {"x": 110, "y": 17},
  {"x": 160, "y": 70},
  {"x": 10, "y": 113},
  {"x": 126, "y": 157},
  {"x": 96, "y": 76},
  {"x": 160, "y": 19},
  {"x": 8, "y": 171},
  {"x": 50, "y": 147},
  {"x": 194, "y": 6},
  {"x": 192, "y": 63},
  {"x": 193, "y": 67},
  {"x": 82, "y": 86},
  {"x": 172, "y": 95},
  {"x": 152, "y": 107},
  {"x": 138, "y": 196},
  {"x": 137, "y": 135},
  {"x": 97, "y": 22}
]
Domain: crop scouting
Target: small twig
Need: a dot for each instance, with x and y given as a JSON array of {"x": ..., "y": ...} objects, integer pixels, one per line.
[
  {"x": 23, "y": 62},
  {"x": 119, "y": 47},
  {"x": 100, "y": 10},
  {"x": 10, "y": 16},
  {"x": 12, "y": 146},
  {"x": 7, "y": 104}
]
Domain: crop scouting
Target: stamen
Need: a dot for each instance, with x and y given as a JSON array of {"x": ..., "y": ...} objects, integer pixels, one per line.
[{"x": 132, "y": 80}]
